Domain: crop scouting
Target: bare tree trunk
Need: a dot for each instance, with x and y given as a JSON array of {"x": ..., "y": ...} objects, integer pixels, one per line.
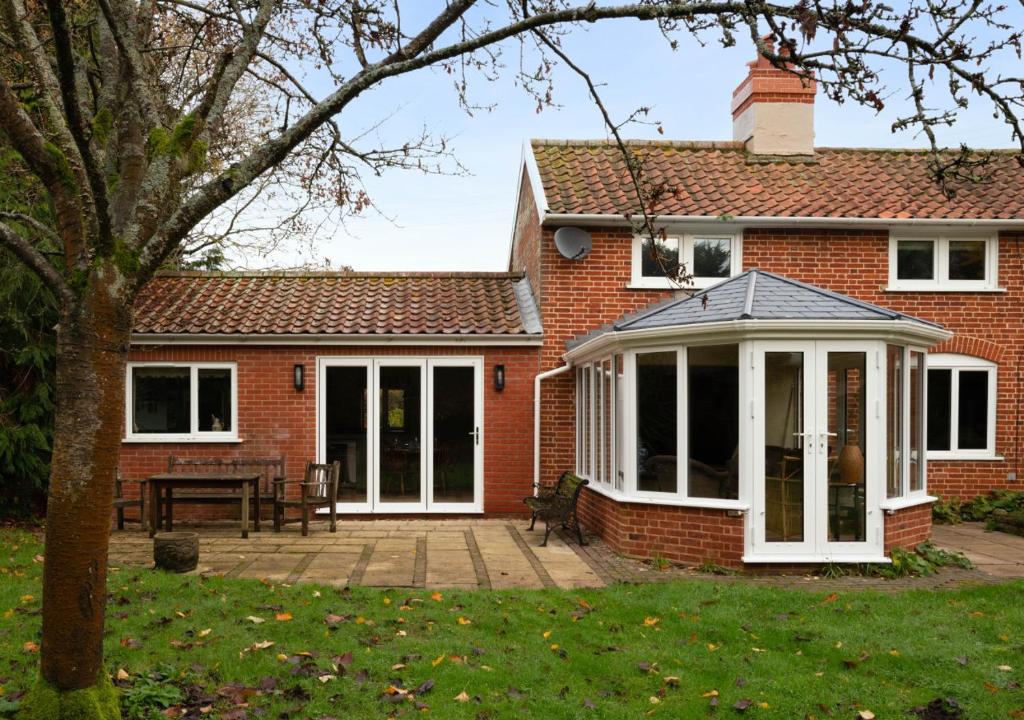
[{"x": 92, "y": 347}]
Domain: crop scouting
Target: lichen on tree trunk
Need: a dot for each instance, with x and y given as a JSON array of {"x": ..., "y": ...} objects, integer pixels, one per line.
[{"x": 92, "y": 344}]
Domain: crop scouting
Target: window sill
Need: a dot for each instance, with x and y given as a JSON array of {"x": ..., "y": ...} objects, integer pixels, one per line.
[
  {"x": 962, "y": 457},
  {"x": 180, "y": 439},
  {"x": 943, "y": 289},
  {"x": 814, "y": 558},
  {"x": 708, "y": 503},
  {"x": 891, "y": 506}
]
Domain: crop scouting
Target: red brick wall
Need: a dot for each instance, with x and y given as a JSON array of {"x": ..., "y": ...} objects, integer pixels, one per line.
[
  {"x": 680, "y": 534},
  {"x": 581, "y": 295},
  {"x": 577, "y": 296},
  {"x": 908, "y": 527},
  {"x": 275, "y": 419}
]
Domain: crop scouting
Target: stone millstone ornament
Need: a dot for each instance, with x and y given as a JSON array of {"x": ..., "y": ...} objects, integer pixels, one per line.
[{"x": 176, "y": 551}]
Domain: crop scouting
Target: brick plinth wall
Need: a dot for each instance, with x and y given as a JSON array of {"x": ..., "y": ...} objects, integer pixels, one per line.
[
  {"x": 683, "y": 535},
  {"x": 908, "y": 527},
  {"x": 275, "y": 419}
]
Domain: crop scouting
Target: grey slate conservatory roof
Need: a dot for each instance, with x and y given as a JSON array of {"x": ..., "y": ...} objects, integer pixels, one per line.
[{"x": 752, "y": 295}]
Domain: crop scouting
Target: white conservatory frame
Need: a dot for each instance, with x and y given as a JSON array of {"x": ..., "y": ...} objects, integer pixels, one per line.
[{"x": 751, "y": 335}]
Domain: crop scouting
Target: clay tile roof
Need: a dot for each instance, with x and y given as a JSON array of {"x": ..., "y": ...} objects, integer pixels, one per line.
[
  {"x": 288, "y": 303},
  {"x": 721, "y": 179}
]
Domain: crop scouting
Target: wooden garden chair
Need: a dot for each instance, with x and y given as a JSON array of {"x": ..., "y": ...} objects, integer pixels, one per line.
[{"x": 317, "y": 489}]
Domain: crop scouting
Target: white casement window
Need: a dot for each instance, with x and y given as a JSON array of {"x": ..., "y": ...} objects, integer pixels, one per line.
[
  {"x": 596, "y": 452},
  {"x": 708, "y": 257},
  {"x": 943, "y": 262},
  {"x": 684, "y": 404},
  {"x": 961, "y": 407},
  {"x": 906, "y": 423},
  {"x": 181, "y": 402}
]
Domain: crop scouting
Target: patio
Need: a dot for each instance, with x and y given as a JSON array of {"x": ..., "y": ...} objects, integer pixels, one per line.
[{"x": 385, "y": 553}]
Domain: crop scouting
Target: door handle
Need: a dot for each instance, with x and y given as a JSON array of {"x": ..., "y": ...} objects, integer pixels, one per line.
[{"x": 475, "y": 434}]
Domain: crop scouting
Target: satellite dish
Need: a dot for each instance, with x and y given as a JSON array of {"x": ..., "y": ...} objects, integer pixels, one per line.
[{"x": 573, "y": 242}]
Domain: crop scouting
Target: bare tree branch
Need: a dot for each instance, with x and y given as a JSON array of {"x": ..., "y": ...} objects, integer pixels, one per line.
[{"x": 37, "y": 263}]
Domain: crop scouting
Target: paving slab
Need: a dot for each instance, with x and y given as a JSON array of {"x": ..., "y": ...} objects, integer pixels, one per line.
[
  {"x": 996, "y": 553},
  {"x": 450, "y": 553}
]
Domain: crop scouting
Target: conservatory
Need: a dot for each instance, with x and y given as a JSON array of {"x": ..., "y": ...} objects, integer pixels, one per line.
[{"x": 795, "y": 411}]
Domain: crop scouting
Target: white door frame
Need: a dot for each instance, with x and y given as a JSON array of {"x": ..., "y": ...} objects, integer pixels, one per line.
[
  {"x": 478, "y": 447},
  {"x": 400, "y": 507},
  {"x": 759, "y": 545},
  {"x": 322, "y": 363},
  {"x": 873, "y": 451},
  {"x": 426, "y": 364},
  {"x": 815, "y": 546}
]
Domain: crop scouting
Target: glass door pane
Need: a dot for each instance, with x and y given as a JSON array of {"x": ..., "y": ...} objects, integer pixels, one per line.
[
  {"x": 845, "y": 433},
  {"x": 400, "y": 398},
  {"x": 455, "y": 434},
  {"x": 785, "y": 439},
  {"x": 345, "y": 428}
]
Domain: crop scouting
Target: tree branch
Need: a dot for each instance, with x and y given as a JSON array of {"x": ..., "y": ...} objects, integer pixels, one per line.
[
  {"x": 49, "y": 166},
  {"x": 37, "y": 263},
  {"x": 69, "y": 93}
]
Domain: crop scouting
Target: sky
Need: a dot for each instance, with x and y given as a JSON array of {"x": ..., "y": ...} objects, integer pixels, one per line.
[{"x": 464, "y": 222}]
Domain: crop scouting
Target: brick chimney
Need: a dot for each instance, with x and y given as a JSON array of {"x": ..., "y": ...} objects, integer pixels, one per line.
[{"x": 773, "y": 111}]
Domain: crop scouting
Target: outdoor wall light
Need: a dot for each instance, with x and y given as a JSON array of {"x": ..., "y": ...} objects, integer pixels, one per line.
[
  {"x": 499, "y": 377},
  {"x": 299, "y": 376}
]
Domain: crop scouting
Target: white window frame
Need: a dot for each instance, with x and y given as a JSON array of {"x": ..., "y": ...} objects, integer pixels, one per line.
[
  {"x": 940, "y": 264},
  {"x": 686, "y": 241},
  {"x": 957, "y": 363},
  {"x": 624, "y": 420},
  {"x": 194, "y": 435}
]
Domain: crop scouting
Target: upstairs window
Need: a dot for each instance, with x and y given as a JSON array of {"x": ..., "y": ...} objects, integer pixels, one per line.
[
  {"x": 709, "y": 258},
  {"x": 961, "y": 407},
  {"x": 181, "y": 402},
  {"x": 943, "y": 263}
]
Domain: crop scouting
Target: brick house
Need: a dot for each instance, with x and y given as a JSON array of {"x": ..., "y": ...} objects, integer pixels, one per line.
[{"x": 849, "y": 349}]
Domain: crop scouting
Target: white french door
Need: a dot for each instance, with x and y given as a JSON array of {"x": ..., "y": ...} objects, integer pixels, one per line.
[
  {"x": 818, "y": 464},
  {"x": 407, "y": 431}
]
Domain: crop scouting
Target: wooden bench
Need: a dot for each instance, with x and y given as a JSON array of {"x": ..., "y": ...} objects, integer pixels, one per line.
[
  {"x": 270, "y": 469},
  {"x": 556, "y": 506}
]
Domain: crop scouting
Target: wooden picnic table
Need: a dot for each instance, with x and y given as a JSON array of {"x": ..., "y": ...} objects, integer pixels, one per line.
[{"x": 247, "y": 482}]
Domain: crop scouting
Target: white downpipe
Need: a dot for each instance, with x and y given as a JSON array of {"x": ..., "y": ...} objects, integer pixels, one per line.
[{"x": 536, "y": 419}]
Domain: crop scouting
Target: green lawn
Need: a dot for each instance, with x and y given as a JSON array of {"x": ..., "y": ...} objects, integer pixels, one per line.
[{"x": 237, "y": 649}]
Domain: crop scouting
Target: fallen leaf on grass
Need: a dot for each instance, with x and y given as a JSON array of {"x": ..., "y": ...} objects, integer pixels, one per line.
[
  {"x": 283, "y": 617},
  {"x": 436, "y": 596},
  {"x": 255, "y": 620},
  {"x": 462, "y": 697},
  {"x": 465, "y": 621},
  {"x": 830, "y": 598},
  {"x": 122, "y": 674},
  {"x": 30, "y": 647},
  {"x": 865, "y": 715},
  {"x": 651, "y": 621},
  {"x": 1006, "y": 668},
  {"x": 204, "y": 633},
  {"x": 742, "y": 705},
  {"x": 438, "y": 660}
]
